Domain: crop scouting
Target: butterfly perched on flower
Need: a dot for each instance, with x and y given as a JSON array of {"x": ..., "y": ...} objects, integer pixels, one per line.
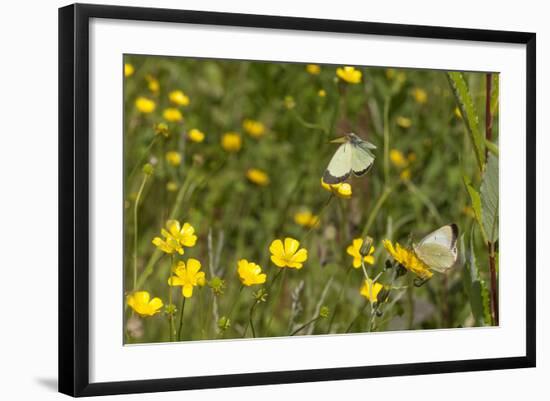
[{"x": 354, "y": 155}]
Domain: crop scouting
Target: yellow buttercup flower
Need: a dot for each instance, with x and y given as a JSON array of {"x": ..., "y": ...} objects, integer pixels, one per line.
[
  {"x": 313, "y": 69},
  {"x": 128, "y": 70},
  {"x": 179, "y": 98},
  {"x": 420, "y": 95},
  {"x": 354, "y": 250},
  {"x": 194, "y": 135},
  {"x": 172, "y": 115},
  {"x": 305, "y": 218},
  {"x": 349, "y": 74},
  {"x": 370, "y": 291},
  {"x": 398, "y": 158},
  {"x": 321, "y": 93},
  {"x": 408, "y": 259},
  {"x": 142, "y": 304},
  {"x": 390, "y": 73},
  {"x": 145, "y": 105},
  {"x": 187, "y": 277},
  {"x": 153, "y": 84},
  {"x": 254, "y": 128},
  {"x": 231, "y": 142},
  {"x": 174, "y": 158},
  {"x": 184, "y": 234},
  {"x": 288, "y": 255},
  {"x": 176, "y": 237},
  {"x": 404, "y": 122},
  {"x": 257, "y": 176},
  {"x": 250, "y": 273},
  {"x": 342, "y": 190}
]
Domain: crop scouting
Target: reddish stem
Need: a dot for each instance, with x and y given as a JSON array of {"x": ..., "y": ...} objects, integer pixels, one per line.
[{"x": 490, "y": 245}]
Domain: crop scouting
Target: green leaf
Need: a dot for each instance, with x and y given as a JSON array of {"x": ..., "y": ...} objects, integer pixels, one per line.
[
  {"x": 473, "y": 284},
  {"x": 492, "y": 147},
  {"x": 476, "y": 205},
  {"x": 494, "y": 93},
  {"x": 469, "y": 113},
  {"x": 486, "y": 301},
  {"x": 489, "y": 199}
]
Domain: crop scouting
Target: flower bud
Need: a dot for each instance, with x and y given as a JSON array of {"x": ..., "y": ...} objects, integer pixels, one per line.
[
  {"x": 148, "y": 169},
  {"x": 217, "y": 284},
  {"x": 324, "y": 312},
  {"x": 367, "y": 244},
  {"x": 260, "y": 295},
  {"x": 170, "y": 309},
  {"x": 162, "y": 129}
]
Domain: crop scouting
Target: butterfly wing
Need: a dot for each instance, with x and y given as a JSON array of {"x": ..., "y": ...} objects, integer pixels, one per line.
[
  {"x": 438, "y": 249},
  {"x": 362, "y": 159},
  {"x": 339, "y": 167}
]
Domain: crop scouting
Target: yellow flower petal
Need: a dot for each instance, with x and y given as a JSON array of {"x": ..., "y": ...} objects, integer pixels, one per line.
[
  {"x": 276, "y": 248},
  {"x": 370, "y": 291},
  {"x": 175, "y": 281},
  {"x": 187, "y": 291},
  {"x": 193, "y": 266},
  {"x": 300, "y": 256},
  {"x": 291, "y": 246},
  {"x": 280, "y": 262},
  {"x": 155, "y": 303}
]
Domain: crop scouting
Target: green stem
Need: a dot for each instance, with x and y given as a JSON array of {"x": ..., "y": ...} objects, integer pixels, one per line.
[
  {"x": 142, "y": 158},
  {"x": 307, "y": 124},
  {"x": 275, "y": 303},
  {"x": 250, "y": 320},
  {"x": 303, "y": 326},
  {"x": 339, "y": 298},
  {"x": 387, "y": 191},
  {"x": 356, "y": 317},
  {"x": 181, "y": 318},
  {"x": 319, "y": 216},
  {"x": 136, "y": 205},
  {"x": 334, "y": 113},
  {"x": 387, "y": 140},
  {"x": 234, "y": 304},
  {"x": 425, "y": 200},
  {"x": 171, "y": 316}
]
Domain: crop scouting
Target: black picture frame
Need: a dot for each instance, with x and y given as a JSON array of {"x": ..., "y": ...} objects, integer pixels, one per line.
[{"x": 74, "y": 194}]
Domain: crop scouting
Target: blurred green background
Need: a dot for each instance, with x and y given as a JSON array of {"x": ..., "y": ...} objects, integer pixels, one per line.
[{"x": 285, "y": 115}]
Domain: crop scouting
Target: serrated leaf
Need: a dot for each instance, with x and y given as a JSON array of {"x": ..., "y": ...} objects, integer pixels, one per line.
[
  {"x": 469, "y": 113},
  {"x": 473, "y": 284},
  {"x": 486, "y": 301},
  {"x": 489, "y": 199}
]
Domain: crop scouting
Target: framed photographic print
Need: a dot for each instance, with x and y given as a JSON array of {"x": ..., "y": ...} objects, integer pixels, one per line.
[{"x": 251, "y": 199}]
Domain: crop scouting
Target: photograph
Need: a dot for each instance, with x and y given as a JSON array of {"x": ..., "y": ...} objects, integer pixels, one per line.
[{"x": 278, "y": 199}]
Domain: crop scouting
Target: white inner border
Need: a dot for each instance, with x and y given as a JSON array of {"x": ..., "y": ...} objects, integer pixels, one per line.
[{"x": 111, "y": 361}]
